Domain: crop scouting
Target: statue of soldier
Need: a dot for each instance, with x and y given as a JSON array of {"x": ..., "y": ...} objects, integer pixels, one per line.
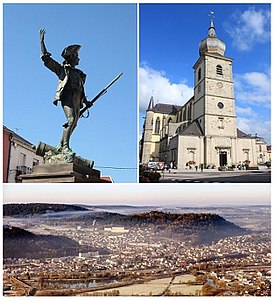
[{"x": 70, "y": 89}]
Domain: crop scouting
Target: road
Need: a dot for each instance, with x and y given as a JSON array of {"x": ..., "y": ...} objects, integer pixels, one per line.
[{"x": 216, "y": 177}]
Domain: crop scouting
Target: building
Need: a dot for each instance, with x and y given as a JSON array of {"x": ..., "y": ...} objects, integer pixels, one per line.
[
  {"x": 203, "y": 131},
  {"x": 116, "y": 230},
  {"x": 18, "y": 156}
]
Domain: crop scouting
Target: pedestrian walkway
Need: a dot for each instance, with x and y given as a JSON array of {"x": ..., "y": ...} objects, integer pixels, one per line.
[
  {"x": 212, "y": 170},
  {"x": 215, "y": 176}
]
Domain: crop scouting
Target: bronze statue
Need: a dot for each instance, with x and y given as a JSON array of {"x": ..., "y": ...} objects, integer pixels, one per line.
[
  {"x": 70, "y": 89},
  {"x": 70, "y": 93}
]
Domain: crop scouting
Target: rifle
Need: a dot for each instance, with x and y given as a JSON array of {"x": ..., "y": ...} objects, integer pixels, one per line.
[{"x": 101, "y": 93}]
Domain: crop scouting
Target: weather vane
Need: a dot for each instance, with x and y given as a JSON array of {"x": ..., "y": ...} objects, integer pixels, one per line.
[{"x": 211, "y": 15}]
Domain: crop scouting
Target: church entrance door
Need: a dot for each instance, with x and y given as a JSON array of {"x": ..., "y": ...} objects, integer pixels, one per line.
[{"x": 223, "y": 158}]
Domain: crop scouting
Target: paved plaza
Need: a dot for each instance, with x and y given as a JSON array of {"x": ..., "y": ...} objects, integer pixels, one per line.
[{"x": 215, "y": 176}]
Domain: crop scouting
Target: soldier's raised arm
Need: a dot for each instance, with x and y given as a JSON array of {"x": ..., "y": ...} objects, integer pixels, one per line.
[
  {"x": 42, "y": 43},
  {"x": 46, "y": 57}
]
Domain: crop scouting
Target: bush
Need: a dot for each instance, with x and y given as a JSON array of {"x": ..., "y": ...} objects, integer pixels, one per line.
[{"x": 147, "y": 176}]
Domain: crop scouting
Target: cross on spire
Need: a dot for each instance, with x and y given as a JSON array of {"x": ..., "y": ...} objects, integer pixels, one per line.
[
  {"x": 211, "y": 15},
  {"x": 211, "y": 29}
]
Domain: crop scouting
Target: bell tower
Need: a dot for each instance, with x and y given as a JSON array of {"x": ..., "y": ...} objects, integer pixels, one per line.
[{"x": 214, "y": 104}]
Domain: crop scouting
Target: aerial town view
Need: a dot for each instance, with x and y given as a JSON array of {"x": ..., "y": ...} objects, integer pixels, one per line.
[{"x": 86, "y": 250}]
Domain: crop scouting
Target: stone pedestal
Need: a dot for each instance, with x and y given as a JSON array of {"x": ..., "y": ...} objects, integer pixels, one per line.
[
  {"x": 62, "y": 167},
  {"x": 62, "y": 173}
]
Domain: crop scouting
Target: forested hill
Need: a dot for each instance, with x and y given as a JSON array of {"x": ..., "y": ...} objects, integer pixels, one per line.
[
  {"x": 200, "y": 228},
  {"x": 190, "y": 219},
  {"x": 38, "y": 208},
  {"x": 21, "y": 243}
]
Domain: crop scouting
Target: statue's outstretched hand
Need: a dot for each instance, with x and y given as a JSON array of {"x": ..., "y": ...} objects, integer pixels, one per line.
[
  {"x": 44, "y": 51},
  {"x": 42, "y": 32}
]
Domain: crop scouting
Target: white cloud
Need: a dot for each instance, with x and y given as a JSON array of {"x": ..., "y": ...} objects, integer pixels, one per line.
[
  {"x": 154, "y": 82},
  {"x": 245, "y": 111},
  {"x": 255, "y": 125},
  {"x": 249, "y": 27},
  {"x": 253, "y": 100},
  {"x": 253, "y": 88}
]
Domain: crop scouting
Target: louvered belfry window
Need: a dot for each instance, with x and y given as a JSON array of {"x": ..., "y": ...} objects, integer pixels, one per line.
[{"x": 219, "y": 70}]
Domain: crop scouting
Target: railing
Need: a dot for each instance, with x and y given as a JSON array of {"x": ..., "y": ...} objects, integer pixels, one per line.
[{"x": 23, "y": 170}]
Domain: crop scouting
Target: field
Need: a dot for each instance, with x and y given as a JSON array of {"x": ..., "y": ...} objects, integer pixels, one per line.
[{"x": 157, "y": 287}]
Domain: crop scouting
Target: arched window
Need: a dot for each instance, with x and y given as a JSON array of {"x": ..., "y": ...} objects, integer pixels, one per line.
[
  {"x": 199, "y": 74},
  {"x": 219, "y": 70},
  {"x": 178, "y": 116},
  {"x": 157, "y": 126},
  {"x": 170, "y": 118},
  {"x": 184, "y": 114}
]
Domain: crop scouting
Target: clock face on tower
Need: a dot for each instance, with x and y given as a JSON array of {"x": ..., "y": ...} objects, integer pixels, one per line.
[{"x": 219, "y": 85}]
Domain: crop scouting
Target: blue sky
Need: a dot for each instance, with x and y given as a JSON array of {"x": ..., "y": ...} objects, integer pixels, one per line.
[
  {"x": 169, "y": 46},
  {"x": 107, "y": 34}
]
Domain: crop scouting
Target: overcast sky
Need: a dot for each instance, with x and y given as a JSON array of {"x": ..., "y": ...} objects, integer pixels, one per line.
[
  {"x": 169, "y": 47},
  {"x": 140, "y": 194}
]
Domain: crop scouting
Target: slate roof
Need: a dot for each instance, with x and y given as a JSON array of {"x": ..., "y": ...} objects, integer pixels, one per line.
[
  {"x": 193, "y": 129},
  {"x": 166, "y": 108},
  {"x": 241, "y": 134}
]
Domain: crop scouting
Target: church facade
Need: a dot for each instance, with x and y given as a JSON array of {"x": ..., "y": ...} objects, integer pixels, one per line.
[{"x": 203, "y": 131}]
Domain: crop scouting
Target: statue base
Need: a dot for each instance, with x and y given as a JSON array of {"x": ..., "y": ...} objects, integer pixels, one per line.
[
  {"x": 54, "y": 156},
  {"x": 62, "y": 167},
  {"x": 62, "y": 173}
]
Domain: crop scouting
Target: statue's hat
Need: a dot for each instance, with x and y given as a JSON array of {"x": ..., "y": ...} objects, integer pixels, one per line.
[{"x": 72, "y": 49}]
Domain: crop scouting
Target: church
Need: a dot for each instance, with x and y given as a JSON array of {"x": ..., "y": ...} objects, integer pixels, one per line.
[{"x": 203, "y": 131}]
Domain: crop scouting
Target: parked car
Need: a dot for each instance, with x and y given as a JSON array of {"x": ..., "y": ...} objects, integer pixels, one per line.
[{"x": 152, "y": 165}]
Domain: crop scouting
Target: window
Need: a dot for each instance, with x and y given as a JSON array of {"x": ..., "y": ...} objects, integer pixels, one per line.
[
  {"x": 219, "y": 70},
  {"x": 221, "y": 125},
  {"x": 220, "y": 105},
  {"x": 199, "y": 74},
  {"x": 184, "y": 114},
  {"x": 189, "y": 112},
  {"x": 35, "y": 162},
  {"x": 22, "y": 159},
  {"x": 157, "y": 126}
]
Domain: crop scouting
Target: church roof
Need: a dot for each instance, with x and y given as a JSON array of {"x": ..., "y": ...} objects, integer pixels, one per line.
[
  {"x": 193, "y": 129},
  {"x": 241, "y": 134},
  {"x": 166, "y": 108}
]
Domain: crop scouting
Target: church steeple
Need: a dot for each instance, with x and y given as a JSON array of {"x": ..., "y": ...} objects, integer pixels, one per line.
[
  {"x": 212, "y": 44},
  {"x": 211, "y": 29},
  {"x": 151, "y": 104}
]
